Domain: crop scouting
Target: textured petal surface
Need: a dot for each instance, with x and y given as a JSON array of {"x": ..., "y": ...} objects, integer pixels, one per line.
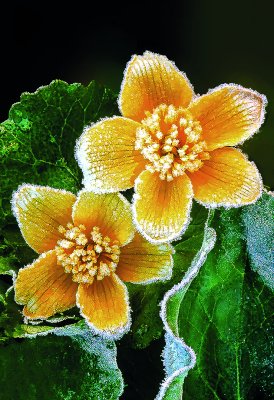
[
  {"x": 144, "y": 262},
  {"x": 44, "y": 288},
  {"x": 162, "y": 208},
  {"x": 111, "y": 212},
  {"x": 149, "y": 81},
  {"x": 227, "y": 179},
  {"x": 229, "y": 115},
  {"x": 39, "y": 211},
  {"x": 107, "y": 156},
  {"x": 105, "y": 305}
]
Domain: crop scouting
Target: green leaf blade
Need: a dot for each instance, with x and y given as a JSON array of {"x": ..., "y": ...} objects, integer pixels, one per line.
[
  {"x": 72, "y": 365},
  {"x": 178, "y": 357},
  {"x": 224, "y": 317}
]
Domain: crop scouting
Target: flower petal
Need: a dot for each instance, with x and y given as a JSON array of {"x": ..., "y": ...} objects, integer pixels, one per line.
[
  {"x": 161, "y": 208},
  {"x": 107, "y": 156},
  {"x": 229, "y": 115},
  {"x": 151, "y": 80},
  {"x": 105, "y": 306},
  {"x": 44, "y": 288},
  {"x": 39, "y": 211},
  {"x": 144, "y": 262},
  {"x": 110, "y": 212},
  {"x": 226, "y": 179}
]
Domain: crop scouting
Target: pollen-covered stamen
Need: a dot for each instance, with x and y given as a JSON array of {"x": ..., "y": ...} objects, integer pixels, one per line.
[
  {"x": 171, "y": 140},
  {"x": 86, "y": 257}
]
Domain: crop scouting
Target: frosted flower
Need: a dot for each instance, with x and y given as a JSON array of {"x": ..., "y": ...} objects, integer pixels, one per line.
[
  {"x": 173, "y": 146},
  {"x": 88, "y": 247}
]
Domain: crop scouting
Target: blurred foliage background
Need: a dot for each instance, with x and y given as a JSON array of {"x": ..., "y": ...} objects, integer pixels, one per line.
[{"x": 213, "y": 41}]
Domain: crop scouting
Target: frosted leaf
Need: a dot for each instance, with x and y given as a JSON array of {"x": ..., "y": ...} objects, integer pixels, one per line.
[
  {"x": 179, "y": 358},
  {"x": 69, "y": 364},
  {"x": 259, "y": 228}
]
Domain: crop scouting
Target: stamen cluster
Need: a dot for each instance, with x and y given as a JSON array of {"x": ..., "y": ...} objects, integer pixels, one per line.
[
  {"x": 86, "y": 256},
  {"x": 171, "y": 140}
]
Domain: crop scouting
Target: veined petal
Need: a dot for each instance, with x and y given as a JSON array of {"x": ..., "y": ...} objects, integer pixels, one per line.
[
  {"x": 104, "y": 304},
  {"x": 110, "y": 212},
  {"x": 144, "y": 262},
  {"x": 226, "y": 179},
  {"x": 161, "y": 208},
  {"x": 44, "y": 288},
  {"x": 40, "y": 210},
  {"x": 151, "y": 80},
  {"x": 229, "y": 115},
  {"x": 106, "y": 154}
]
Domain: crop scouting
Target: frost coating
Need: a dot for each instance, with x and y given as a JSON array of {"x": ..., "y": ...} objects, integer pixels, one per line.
[
  {"x": 93, "y": 346},
  {"x": 259, "y": 228},
  {"x": 178, "y": 358}
]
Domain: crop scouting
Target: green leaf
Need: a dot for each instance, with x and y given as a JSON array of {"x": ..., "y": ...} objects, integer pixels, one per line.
[
  {"x": 73, "y": 365},
  {"x": 145, "y": 300},
  {"x": 5, "y": 265},
  {"x": 259, "y": 229},
  {"x": 225, "y": 317},
  {"x": 37, "y": 141},
  {"x": 178, "y": 357}
]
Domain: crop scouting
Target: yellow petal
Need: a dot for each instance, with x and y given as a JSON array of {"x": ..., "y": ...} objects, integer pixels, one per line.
[
  {"x": 104, "y": 304},
  {"x": 162, "y": 208},
  {"x": 226, "y": 179},
  {"x": 44, "y": 288},
  {"x": 40, "y": 210},
  {"x": 144, "y": 262},
  {"x": 107, "y": 156},
  {"x": 111, "y": 212},
  {"x": 151, "y": 80},
  {"x": 229, "y": 115}
]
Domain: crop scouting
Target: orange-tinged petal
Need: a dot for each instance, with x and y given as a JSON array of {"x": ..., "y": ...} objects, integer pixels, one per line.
[
  {"x": 226, "y": 179},
  {"x": 144, "y": 262},
  {"x": 229, "y": 115},
  {"x": 110, "y": 212},
  {"x": 161, "y": 208},
  {"x": 107, "y": 156},
  {"x": 40, "y": 210},
  {"x": 44, "y": 288},
  {"x": 105, "y": 306},
  {"x": 151, "y": 80}
]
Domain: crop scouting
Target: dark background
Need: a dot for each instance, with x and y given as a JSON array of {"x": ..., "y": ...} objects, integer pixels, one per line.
[{"x": 213, "y": 41}]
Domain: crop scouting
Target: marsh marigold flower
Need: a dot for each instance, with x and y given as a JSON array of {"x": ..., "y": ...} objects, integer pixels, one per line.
[
  {"x": 88, "y": 246},
  {"x": 173, "y": 146}
]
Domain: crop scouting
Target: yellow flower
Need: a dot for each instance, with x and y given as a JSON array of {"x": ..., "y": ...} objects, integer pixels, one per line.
[
  {"x": 88, "y": 246},
  {"x": 174, "y": 146}
]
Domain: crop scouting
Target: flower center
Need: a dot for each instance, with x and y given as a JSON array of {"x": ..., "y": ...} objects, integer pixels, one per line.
[
  {"x": 171, "y": 140},
  {"x": 86, "y": 256}
]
